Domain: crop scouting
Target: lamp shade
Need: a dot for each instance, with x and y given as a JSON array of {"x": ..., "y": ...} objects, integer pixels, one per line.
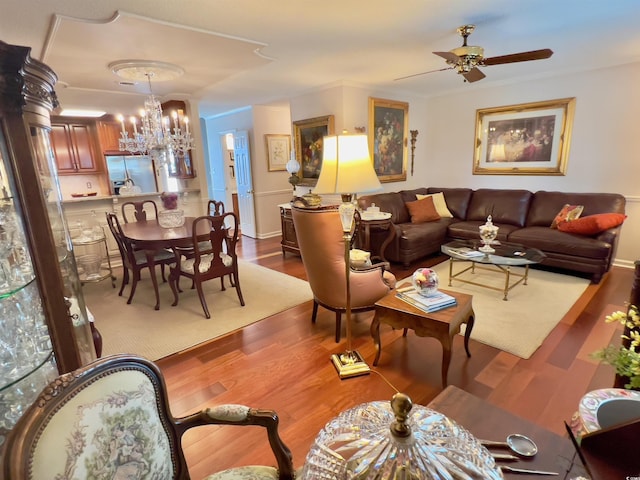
[{"x": 346, "y": 166}]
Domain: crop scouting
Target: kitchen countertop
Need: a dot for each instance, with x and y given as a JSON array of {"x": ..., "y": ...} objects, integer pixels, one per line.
[{"x": 121, "y": 197}]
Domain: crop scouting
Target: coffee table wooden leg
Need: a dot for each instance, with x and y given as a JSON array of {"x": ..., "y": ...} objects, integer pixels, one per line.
[
  {"x": 467, "y": 331},
  {"x": 375, "y": 333}
]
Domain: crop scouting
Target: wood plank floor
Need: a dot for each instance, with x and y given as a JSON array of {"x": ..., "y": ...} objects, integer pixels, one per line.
[{"x": 283, "y": 363}]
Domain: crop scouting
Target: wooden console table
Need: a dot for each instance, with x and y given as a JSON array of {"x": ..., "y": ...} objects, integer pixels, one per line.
[
  {"x": 289, "y": 240},
  {"x": 489, "y": 422}
]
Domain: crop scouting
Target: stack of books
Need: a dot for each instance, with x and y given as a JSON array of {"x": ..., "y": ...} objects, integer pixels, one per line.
[{"x": 432, "y": 303}]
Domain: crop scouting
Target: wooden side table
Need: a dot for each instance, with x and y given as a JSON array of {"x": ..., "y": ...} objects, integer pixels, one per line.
[
  {"x": 376, "y": 224},
  {"x": 442, "y": 325}
]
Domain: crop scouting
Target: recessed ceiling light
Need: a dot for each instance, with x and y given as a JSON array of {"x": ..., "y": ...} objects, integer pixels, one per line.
[{"x": 70, "y": 112}]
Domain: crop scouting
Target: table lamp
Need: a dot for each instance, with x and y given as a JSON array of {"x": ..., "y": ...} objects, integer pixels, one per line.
[{"x": 347, "y": 169}]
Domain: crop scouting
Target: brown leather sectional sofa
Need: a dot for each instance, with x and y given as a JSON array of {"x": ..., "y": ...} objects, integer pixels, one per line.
[{"x": 523, "y": 217}]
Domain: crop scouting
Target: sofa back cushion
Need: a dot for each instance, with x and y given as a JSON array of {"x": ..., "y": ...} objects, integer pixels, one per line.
[
  {"x": 388, "y": 202},
  {"x": 508, "y": 207},
  {"x": 457, "y": 200},
  {"x": 546, "y": 205}
]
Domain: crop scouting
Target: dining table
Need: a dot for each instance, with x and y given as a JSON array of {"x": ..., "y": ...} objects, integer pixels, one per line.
[{"x": 150, "y": 237}]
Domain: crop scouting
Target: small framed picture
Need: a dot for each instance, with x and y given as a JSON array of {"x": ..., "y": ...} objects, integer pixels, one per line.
[
  {"x": 524, "y": 139},
  {"x": 278, "y": 151}
]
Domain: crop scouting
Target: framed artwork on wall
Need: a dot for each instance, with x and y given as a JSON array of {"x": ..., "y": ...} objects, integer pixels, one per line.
[
  {"x": 524, "y": 139},
  {"x": 388, "y": 133},
  {"x": 308, "y": 139},
  {"x": 278, "y": 151}
]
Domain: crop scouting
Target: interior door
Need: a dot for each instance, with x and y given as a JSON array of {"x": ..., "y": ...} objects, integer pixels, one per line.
[{"x": 244, "y": 183}]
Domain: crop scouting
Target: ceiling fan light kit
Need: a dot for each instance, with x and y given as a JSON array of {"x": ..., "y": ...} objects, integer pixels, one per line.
[{"x": 467, "y": 58}]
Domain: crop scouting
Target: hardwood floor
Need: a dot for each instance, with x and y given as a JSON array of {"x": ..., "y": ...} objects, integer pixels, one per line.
[{"x": 282, "y": 363}]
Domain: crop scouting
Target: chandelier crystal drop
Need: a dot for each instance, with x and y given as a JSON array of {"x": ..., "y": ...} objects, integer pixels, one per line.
[{"x": 154, "y": 133}]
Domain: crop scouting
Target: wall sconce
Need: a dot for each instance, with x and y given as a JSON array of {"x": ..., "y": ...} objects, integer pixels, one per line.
[{"x": 414, "y": 135}]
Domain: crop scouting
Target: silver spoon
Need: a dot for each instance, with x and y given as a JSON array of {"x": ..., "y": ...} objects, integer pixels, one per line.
[{"x": 518, "y": 443}]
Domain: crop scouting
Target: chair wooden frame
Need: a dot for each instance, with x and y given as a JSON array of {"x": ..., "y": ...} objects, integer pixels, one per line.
[
  {"x": 122, "y": 377},
  {"x": 134, "y": 260},
  {"x": 139, "y": 213},
  {"x": 215, "y": 207},
  {"x": 214, "y": 258}
]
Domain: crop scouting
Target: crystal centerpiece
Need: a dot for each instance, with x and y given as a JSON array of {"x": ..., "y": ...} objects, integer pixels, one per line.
[
  {"x": 488, "y": 233},
  {"x": 395, "y": 440},
  {"x": 425, "y": 281}
]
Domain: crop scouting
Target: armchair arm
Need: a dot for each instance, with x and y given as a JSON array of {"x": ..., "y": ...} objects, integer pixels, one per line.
[{"x": 241, "y": 415}]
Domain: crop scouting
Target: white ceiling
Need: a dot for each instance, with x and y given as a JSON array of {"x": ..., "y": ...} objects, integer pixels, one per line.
[{"x": 245, "y": 52}]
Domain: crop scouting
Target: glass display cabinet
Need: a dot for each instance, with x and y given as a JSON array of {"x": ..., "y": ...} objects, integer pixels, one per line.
[{"x": 44, "y": 327}]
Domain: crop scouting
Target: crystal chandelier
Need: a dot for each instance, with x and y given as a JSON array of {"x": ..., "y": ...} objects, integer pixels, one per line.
[{"x": 153, "y": 133}]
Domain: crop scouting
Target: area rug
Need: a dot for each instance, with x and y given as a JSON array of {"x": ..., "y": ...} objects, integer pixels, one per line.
[
  {"x": 138, "y": 328},
  {"x": 520, "y": 324}
]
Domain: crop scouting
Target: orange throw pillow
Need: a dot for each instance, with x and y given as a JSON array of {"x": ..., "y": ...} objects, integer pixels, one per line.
[
  {"x": 422, "y": 211},
  {"x": 567, "y": 214},
  {"x": 592, "y": 224}
]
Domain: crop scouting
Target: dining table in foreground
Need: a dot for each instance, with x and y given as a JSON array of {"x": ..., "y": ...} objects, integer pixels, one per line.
[
  {"x": 150, "y": 237},
  {"x": 488, "y": 422}
]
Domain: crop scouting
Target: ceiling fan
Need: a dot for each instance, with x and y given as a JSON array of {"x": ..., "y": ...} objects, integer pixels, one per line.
[{"x": 467, "y": 58}]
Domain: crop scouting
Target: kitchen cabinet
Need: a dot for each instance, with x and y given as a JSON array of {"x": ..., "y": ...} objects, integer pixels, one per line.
[
  {"x": 75, "y": 146},
  {"x": 44, "y": 326},
  {"x": 109, "y": 136}
]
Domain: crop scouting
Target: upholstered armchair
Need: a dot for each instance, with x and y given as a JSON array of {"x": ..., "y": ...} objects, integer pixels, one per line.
[
  {"x": 111, "y": 419},
  {"x": 320, "y": 238}
]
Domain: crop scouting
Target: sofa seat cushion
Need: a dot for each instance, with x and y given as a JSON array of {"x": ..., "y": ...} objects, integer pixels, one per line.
[
  {"x": 470, "y": 230},
  {"x": 414, "y": 235},
  {"x": 554, "y": 241}
]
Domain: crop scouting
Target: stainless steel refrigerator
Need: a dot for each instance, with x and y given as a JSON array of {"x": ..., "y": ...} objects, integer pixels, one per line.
[{"x": 138, "y": 168}]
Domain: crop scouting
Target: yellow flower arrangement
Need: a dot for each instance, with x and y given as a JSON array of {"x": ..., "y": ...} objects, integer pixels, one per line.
[{"x": 625, "y": 358}]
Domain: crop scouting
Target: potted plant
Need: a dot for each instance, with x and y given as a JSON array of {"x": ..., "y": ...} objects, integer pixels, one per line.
[{"x": 625, "y": 358}]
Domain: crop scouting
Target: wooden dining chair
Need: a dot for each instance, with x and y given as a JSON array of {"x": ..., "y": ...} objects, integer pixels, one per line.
[
  {"x": 212, "y": 257},
  {"x": 134, "y": 260},
  {"x": 215, "y": 207},
  {"x": 139, "y": 211}
]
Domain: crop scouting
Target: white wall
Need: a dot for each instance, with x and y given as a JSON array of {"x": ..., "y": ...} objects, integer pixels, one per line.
[{"x": 603, "y": 154}]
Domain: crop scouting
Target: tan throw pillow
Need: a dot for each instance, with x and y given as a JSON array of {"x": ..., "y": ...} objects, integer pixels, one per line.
[
  {"x": 422, "y": 211},
  {"x": 439, "y": 202},
  {"x": 568, "y": 213}
]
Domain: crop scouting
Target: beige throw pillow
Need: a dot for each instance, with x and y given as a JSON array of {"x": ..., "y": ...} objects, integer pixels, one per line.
[{"x": 439, "y": 202}]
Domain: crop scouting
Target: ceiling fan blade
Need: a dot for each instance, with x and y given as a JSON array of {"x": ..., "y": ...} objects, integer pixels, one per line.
[
  {"x": 448, "y": 56},
  {"x": 424, "y": 73},
  {"x": 473, "y": 75},
  {"x": 519, "y": 57}
]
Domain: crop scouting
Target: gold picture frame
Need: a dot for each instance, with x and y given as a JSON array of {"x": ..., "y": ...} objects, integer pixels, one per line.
[
  {"x": 278, "y": 151},
  {"x": 524, "y": 139},
  {"x": 388, "y": 135},
  {"x": 308, "y": 136}
]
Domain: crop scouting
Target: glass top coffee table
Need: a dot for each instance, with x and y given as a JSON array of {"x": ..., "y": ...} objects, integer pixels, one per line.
[{"x": 505, "y": 256}]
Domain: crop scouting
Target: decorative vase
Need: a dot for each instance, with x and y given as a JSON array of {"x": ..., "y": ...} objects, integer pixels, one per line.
[
  {"x": 171, "y": 218},
  {"x": 425, "y": 281},
  {"x": 488, "y": 233}
]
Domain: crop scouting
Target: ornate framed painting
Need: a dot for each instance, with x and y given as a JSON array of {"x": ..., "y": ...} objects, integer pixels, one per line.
[
  {"x": 388, "y": 133},
  {"x": 278, "y": 151},
  {"x": 524, "y": 139},
  {"x": 308, "y": 139}
]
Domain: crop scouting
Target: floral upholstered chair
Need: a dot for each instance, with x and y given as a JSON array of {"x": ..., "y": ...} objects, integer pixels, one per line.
[{"x": 111, "y": 420}]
